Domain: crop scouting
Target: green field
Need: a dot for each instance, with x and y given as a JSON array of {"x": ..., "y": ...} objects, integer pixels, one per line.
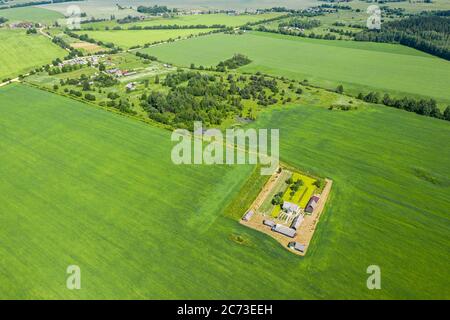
[
  {"x": 359, "y": 66},
  {"x": 188, "y": 20},
  {"x": 31, "y": 14},
  {"x": 130, "y": 38},
  {"x": 19, "y": 53},
  {"x": 87, "y": 187}
]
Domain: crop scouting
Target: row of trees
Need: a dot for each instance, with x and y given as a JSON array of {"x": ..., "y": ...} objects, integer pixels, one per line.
[
  {"x": 420, "y": 106},
  {"x": 301, "y": 23},
  {"x": 175, "y": 27},
  {"x": 312, "y": 35}
]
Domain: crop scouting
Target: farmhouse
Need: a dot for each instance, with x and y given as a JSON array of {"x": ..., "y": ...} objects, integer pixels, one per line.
[
  {"x": 290, "y": 208},
  {"x": 297, "y": 222},
  {"x": 286, "y": 231},
  {"x": 312, "y": 204},
  {"x": 297, "y": 246},
  {"x": 248, "y": 215}
]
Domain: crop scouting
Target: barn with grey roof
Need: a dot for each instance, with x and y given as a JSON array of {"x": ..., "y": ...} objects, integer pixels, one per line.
[
  {"x": 297, "y": 222},
  {"x": 286, "y": 231}
]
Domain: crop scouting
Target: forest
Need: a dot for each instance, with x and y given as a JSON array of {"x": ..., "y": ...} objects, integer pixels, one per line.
[
  {"x": 193, "y": 96},
  {"x": 427, "y": 32}
]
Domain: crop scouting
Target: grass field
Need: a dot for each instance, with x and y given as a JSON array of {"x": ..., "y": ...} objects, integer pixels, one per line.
[
  {"x": 83, "y": 186},
  {"x": 20, "y": 52},
  {"x": 130, "y": 38},
  {"x": 188, "y": 20},
  {"x": 390, "y": 197},
  {"x": 359, "y": 66},
  {"x": 31, "y": 14}
]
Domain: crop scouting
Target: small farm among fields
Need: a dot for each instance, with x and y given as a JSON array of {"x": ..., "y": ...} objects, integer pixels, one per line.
[{"x": 288, "y": 208}]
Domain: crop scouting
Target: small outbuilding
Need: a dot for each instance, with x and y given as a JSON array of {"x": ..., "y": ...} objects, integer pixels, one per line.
[
  {"x": 297, "y": 246},
  {"x": 286, "y": 231},
  {"x": 312, "y": 204},
  {"x": 248, "y": 215},
  {"x": 269, "y": 223}
]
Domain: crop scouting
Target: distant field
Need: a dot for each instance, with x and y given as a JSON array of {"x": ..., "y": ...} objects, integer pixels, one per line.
[
  {"x": 129, "y": 38},
  {"x": 31, "y": 14},
  {"x": 188, "y": 20},
  {"x": 86, "y": 187},
  {"x": 414, "y": 7},
  {"x": 104, "y": 9},
  {"x": 20, "y": 52},
  {"x": 360, "y": 67}
]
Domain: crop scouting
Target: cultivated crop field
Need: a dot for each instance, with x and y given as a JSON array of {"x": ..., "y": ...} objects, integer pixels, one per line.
[
  {"x": 83, "y": 186},
  {"x": 20, "y": 52},
  {"x": 130, "y": 38},
  {"x": 359, "y": 66}
]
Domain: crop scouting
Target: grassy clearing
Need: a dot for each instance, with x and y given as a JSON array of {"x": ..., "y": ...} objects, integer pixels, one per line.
[
  {"x": 31, "y": 14},
  {"x": 359, "y": 66},
  {"x": 130, "y": 38},
  {"x": 20, "y": 53}
]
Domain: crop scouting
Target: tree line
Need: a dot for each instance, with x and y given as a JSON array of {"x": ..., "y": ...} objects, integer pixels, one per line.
[{"x": 423, "y": 107}]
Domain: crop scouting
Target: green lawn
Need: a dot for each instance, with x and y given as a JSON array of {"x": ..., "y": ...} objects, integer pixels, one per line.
[
  {"x": 19, "y": 53},
  {"x": 31, "y": 14},
  {"x": 359, "y": 66},
  {"x": 130, "y": 38},
  {"x": 87, "y": 187}
]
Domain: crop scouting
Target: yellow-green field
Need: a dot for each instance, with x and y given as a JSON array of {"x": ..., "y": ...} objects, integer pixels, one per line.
[{"x": 302, "y": 196}]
